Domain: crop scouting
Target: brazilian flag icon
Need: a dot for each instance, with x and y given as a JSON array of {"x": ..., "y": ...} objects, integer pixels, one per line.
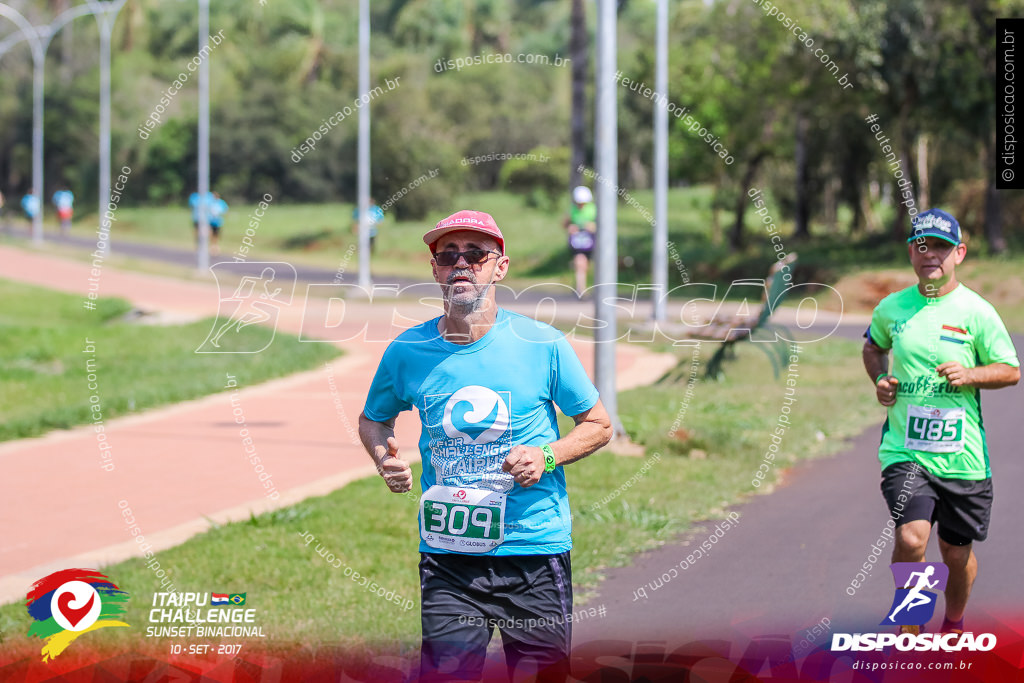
[{"x": 237, "y": 599}]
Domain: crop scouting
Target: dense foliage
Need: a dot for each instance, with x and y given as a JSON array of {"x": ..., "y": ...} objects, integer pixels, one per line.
[{"x": 792, "y": 123}]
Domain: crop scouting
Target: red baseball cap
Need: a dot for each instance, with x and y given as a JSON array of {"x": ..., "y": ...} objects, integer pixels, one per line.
[{"x": 477, "y": 221}]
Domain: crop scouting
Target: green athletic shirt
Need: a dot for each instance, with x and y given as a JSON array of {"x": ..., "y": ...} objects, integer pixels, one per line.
[
  {"x": 581, "y": 216},
  {"x": 923, "y": 333}
]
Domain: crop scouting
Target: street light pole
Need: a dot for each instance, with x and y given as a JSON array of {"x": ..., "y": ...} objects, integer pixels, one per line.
[
  {"x": 203, "y": 182},
  {"x": 39, "y": 39},
  {"x": 38, "y": 63},
  {"x": 104, "y": 179},
  {"x": 105, "y": 14},
  {"x": 363, "y": 151},
  {"x": 38, "y": 74},
  {"x": 606, "y": 264},
  {"x": 659, "y": 253}
]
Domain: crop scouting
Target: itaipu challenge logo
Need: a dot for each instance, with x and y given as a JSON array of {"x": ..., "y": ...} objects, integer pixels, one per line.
[{"x": 71, "y": 602}]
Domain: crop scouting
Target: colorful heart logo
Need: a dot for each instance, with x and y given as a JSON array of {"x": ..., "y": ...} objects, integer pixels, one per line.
[
  {"x": 72, "y": 614},
  {"x": 69, "y": 603},
  {"x": 76, "y": 605}
]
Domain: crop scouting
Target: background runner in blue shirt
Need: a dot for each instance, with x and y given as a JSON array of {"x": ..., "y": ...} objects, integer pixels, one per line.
[
  {"x": 64, "y": 201},
  {"x": 215, "y": 210}
]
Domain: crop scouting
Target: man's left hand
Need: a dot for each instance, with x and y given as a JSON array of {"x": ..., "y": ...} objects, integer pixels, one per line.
[
  {"x": 525, "y": 464},
  {"x": 956, "y": 374}
]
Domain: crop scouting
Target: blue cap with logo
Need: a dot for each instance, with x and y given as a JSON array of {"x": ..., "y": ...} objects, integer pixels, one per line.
[{"x": 935, "y": 223}]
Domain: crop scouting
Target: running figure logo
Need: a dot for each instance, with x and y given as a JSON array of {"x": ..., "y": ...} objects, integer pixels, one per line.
[
  {"x": 256, "y": 300},
  {"x": 917, "y": 586}
]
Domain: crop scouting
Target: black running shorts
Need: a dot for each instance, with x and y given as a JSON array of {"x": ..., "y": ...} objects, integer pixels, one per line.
[
  {"x": 527, "y": 597},
  {"x": 961, "y": 507}
]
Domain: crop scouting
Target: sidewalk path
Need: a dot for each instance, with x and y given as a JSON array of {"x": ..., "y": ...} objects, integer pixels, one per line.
[{"x": 180, "y": 466}]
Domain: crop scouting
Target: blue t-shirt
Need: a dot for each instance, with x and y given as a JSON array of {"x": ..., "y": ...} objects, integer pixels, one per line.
[
  {"x": 63, "y": 199},
  {"x": 375, "y": 215},
  {"x": 218, "y": 207},
  {"x": 475, "y": 402},
  {"x": 30, "y": 205},
  {"x": 211, "y": 205}
]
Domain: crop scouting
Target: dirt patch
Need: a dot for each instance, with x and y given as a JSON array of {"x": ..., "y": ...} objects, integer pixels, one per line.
[
  {"x": 862, "y": 292},
  {"x": 682, "y": 435},
  {"x": 1000, "y": 288},
  {"x": 1007, "y": 291}
]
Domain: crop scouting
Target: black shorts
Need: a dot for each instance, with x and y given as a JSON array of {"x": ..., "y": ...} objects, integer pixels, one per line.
[
  {"x": 962, "y": 507},
  {"x": 585, "y": 246},
  {"x": 214, "y": 229},
  {"x": 528, "y": 597}
]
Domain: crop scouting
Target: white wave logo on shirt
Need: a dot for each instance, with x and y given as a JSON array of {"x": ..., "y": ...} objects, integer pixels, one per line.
[
  {"x": 470, "y": 437},
  {"x": 476, "y": 415}
]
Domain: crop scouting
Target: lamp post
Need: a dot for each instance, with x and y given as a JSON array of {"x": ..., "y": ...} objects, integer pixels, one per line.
[
  {"x": 203, "y": 182},
  {"x": 39, "y": 38},
  {"x": 35, "y": 41},
  {"x": 106, "y": 14},
  {"x": 659, "y": 255},
  {"x": 606, "y": 264},
  {"x": 363, "y": 151}
]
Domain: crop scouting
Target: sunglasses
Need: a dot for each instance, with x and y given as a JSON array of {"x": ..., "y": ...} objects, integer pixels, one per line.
[{"x": 472, "y": 256}]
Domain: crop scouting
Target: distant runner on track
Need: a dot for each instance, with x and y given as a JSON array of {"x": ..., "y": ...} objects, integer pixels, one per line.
[
  {"x": 948, "y": 343},
  {"x": 495, "y": 528},
  {"x": 582, "y": 226}
]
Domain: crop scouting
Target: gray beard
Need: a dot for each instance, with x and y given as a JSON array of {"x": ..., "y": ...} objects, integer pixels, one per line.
[{"x": 466, "y": 305}]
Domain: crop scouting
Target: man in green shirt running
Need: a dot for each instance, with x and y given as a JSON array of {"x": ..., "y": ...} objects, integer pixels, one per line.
[
  {"x": 582, "y": 226},
  {"x": 947, "y": 344}
]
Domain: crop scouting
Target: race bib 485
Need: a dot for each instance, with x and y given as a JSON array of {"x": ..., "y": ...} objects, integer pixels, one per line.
[{"x": 935, "y": 430}]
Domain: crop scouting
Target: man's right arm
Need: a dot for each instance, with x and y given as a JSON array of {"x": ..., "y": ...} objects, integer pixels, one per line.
[
  {"x": 876, "y": 362},
  {"x": 379, "y": 441}
]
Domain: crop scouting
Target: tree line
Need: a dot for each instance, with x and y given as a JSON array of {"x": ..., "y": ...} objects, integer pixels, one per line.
[{"x": 838, "y": 110}]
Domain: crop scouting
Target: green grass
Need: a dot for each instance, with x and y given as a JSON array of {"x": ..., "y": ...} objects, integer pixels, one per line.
[
  {"x": 320, "y": 235},
  {"x": 999, "y": 279},
  {"x": 47, "y": 338},
  {"x": 301, "y": 599},
  {"x": 729, "y": 421}
]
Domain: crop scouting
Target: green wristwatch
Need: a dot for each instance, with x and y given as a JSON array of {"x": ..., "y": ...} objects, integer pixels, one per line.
[{"x": 549, "y": 458}]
